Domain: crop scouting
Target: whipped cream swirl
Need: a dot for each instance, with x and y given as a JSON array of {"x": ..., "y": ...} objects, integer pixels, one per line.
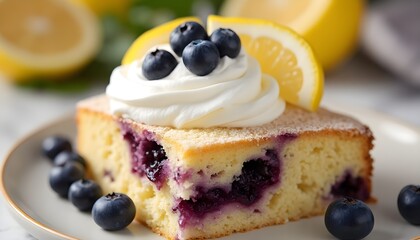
[{"x": 235, "y": 94}]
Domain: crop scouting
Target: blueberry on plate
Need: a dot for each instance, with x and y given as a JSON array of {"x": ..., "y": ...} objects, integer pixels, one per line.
[
  {"x": 158, "y": 64},
  {"x": 51, "y": 146},
  {"x": 67, "y": 156},
  {"x": 62, "y": 176},
  {"x": 185, "y": 33},
  {"x": 349, "y": 218},
  {"x": 227, "y": 42},
  {"x": 201, "y": 57},
  {"x": 84, "y": 193},
  {"x": 114, "y": 211},
  {"x": 409, "y": 203}
]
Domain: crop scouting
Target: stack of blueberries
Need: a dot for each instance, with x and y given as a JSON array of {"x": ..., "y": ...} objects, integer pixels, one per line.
[
  {"x": 200, "y": 53},
  {"x": 113, "y": 211}
]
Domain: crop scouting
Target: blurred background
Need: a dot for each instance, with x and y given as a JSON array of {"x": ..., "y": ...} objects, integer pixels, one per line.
[{"x": 54, "y": 53}]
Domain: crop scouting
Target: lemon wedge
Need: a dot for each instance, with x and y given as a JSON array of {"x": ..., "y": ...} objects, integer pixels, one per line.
[
  {"x": 330, "y": 26},
  {"x": 45, "y": 38},
  {"x": 283, "y": 54},
  {"x": 153, "y": 37}
]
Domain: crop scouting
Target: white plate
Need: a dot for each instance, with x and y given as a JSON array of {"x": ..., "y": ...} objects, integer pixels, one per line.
[{"x": 24, "y": 183}]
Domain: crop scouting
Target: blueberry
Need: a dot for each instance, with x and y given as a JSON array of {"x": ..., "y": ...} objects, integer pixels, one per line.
[
  {"x": 201, "y": 57},
  {"x": 256, "y": 176},
  {"x": 67, "y": 156},
  {"x": 154, "y": 161},
  {"x": 227, "y": 42},
  {"x": 158, "y": 64},
  {"x": 409, "y": 203},
  {"x": 53, "y": 145},
  {"x": 62, "y": 176},
  {"x": 84, "y": 193},
  {"x": 349, "y": 218},
  {"x": 113, "y": 211},
  {"x": 184, "y": 34}
]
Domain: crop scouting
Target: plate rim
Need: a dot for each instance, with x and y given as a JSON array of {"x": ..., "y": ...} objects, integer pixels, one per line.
[
  {"x": 8, "y": 199},
  {"x": 14, "y": 206}
]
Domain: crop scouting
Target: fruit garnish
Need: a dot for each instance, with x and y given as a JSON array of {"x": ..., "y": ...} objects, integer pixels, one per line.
[
  {"x": 114, "y": 211},
  {"x": 349, "y": 218},
  {"x": 84, "y": 193},
  {"x": 53, "y": 145},
  {"x": 184, "y": 34},
  {"x": 153, "y": 37},
  {"x": 409, "y": 203},
  {"x": 158, "y": 64},
  {"x": 201, "y": 57},
  {"x": 62, "y": 176},
  {"x": 227, "y": 42},
  {"x": 283, "y": 54},
  {"x": 331, "y": 27},
  {"x": 69, "y": 156},
  {"x": 45, "y": 38}
]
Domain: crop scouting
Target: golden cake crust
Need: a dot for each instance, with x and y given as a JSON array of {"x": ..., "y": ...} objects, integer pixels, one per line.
[{"x": 290, "y": 122}]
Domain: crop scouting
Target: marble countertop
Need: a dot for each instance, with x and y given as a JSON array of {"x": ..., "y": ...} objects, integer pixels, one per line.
[{"x": 359, "y": 83}]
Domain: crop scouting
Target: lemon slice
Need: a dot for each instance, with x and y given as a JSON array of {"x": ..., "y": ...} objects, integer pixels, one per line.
[
  {"x": 330, "y": 26},
  {"x": 282, "y": 54},
  {"x": 153, "y": 37},
  {"x": 45, "y": 38}
]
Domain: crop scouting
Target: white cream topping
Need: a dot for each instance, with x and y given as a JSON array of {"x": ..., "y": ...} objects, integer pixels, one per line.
[{"x": 235, "y": 94}]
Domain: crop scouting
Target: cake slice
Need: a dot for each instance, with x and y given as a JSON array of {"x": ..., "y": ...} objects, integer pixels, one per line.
[{"x": 207, "y": 183}]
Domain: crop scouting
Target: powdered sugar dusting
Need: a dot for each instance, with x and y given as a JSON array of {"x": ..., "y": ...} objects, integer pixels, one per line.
[{"x": 293, "y": 121}]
